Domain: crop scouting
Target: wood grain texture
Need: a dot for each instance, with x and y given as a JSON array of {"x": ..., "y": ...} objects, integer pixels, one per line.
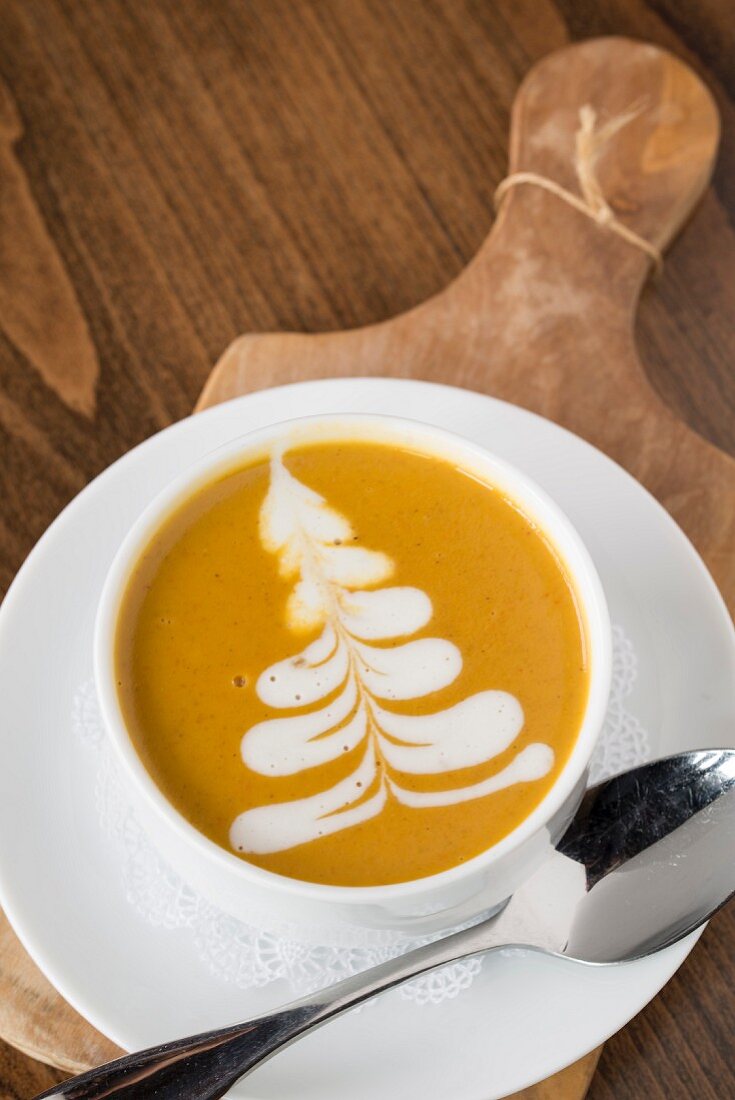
[
  {"x": 39, "y": 309},
  {"x": 201, "y": 170},
  {"x": 21, "y": 1077}
]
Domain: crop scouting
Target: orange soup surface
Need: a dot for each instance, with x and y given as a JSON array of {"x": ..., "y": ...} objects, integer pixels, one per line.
[{"x": 351, "y": 663}]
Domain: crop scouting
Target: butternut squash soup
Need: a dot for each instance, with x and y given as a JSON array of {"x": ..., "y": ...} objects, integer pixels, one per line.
[{"x": 352, "y": 664}]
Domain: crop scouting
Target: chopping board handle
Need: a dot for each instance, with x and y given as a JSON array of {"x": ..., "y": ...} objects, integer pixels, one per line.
[
  {"x": 624, "y": 128},
  {"x": 551, "y": 291}
]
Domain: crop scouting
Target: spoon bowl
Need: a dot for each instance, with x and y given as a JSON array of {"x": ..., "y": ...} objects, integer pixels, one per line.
[{"x": 656, "y": 844}]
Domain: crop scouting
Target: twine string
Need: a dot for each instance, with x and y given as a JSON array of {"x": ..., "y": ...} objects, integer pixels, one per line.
[{"x": 589, "y": 142}]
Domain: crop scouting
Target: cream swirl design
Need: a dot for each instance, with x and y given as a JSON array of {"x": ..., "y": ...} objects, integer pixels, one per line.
[{"x": 336, "y": 588}]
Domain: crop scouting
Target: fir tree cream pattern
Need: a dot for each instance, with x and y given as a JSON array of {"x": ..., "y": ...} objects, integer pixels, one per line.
[{"x": 345, "y": 590}]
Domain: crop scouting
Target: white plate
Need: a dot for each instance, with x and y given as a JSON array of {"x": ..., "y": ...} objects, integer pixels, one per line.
[{"x": 524, "y": 1017}]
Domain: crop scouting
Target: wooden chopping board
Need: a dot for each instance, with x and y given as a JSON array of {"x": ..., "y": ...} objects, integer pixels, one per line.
[{"x": 543, "y": 316}]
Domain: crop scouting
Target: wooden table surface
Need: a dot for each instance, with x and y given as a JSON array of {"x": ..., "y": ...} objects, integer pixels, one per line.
[{"x": 175, "y": 173}]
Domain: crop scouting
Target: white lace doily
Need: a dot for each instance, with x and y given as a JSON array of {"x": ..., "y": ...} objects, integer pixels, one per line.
[{"x": 250, "y": 955}]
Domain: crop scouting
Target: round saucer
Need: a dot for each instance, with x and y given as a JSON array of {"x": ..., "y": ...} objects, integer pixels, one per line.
[{"x": 525, "y": 1016}]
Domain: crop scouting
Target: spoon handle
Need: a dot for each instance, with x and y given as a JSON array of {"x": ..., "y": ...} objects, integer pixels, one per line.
[{"x": 204, "y": 1067}]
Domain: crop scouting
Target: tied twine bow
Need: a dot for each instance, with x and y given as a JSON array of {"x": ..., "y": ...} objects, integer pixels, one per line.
[{"x": 589, "y": 143}]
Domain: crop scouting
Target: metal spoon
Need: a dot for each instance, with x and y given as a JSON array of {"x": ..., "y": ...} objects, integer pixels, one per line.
[{"x": 647, "y": 859}]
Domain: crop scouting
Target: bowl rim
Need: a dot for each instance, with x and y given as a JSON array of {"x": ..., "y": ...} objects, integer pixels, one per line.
[{"x": 520, "y": 489}]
